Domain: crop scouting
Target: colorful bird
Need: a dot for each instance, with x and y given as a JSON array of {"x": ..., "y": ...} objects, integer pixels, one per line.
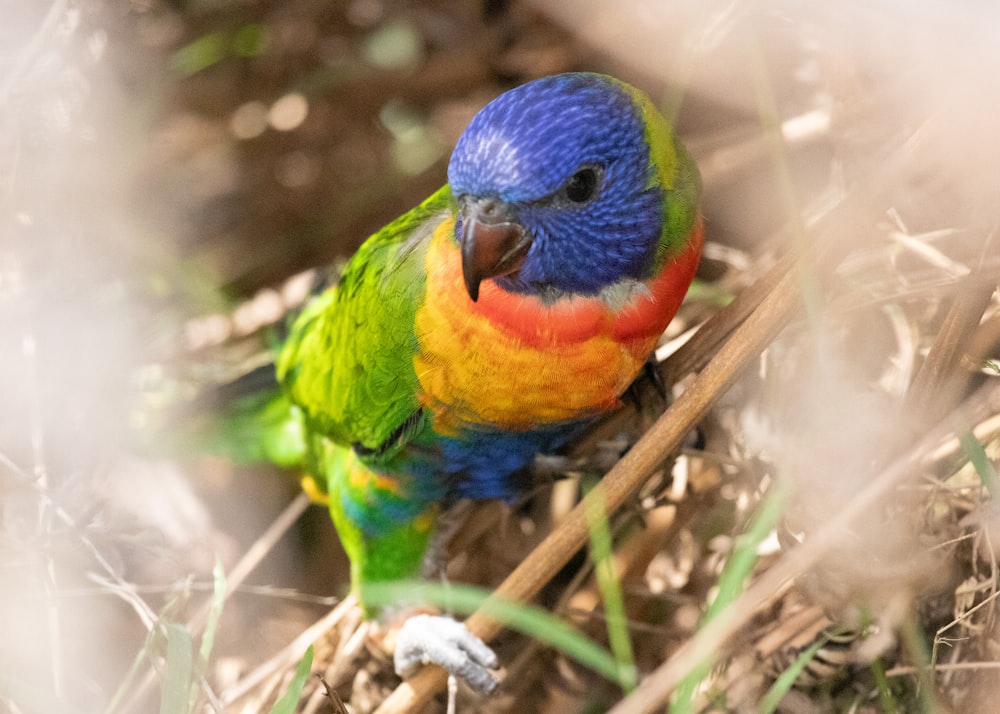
[{"x": 497, "y": 318}]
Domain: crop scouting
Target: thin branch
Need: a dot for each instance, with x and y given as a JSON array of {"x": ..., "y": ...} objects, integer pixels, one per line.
[
  {"x": 938, "y": 376},
  {"x": 250, "y": 560},
  {"x": 287, "y": 656}
]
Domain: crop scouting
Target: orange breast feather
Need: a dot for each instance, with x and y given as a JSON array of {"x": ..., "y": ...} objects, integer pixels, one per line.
[{"x": 511, "y": 361}]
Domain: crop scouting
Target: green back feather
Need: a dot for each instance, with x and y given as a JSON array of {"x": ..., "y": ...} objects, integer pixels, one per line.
[
  {"x": 262, "y": 427},
  {"x": 348, "y": 362}
]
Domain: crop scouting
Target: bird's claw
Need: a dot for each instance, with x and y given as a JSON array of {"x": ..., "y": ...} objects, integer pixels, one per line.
[
  {"x": 649, "y": 376},
  {"x": 437, "y": 639}
]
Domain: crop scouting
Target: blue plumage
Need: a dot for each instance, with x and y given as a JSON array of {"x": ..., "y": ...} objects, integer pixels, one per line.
[
  {"x": 524, "y": 148},
  {"x": 480, "y": 464},
  {"x": 494, "y": 463}
]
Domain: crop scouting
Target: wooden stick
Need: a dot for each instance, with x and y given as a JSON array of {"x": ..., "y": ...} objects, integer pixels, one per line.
[
  {"x": 694, "y": 354},
  {"x": 939, "y": 383}
]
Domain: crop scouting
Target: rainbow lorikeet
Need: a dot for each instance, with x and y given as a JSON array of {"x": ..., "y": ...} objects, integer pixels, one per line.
[{"x": 498, "y": 317}]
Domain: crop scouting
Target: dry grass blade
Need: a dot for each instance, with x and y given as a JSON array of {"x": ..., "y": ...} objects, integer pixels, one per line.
[
  {"x": 250, "y": 560},
  {"x": 950, "y": 346},
  {"x": 749, "y": 339},
  {"x": 257, "y": 552},
  {"x": 655, "y": 689},
  {"x": 283, "y": 660}
]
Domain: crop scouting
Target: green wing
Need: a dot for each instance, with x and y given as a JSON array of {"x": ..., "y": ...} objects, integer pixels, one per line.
[{"x": 348, "y": 363}]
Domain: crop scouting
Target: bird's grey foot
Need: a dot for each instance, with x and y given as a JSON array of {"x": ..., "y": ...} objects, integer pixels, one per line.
[{"x": 441, "y": 640}]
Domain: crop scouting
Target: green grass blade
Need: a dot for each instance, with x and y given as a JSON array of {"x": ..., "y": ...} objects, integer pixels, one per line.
[
  {"x": 528, "y": 619},
  {"x": 885, "y": 696},
  {"x": 287, "y": 703},
  {"x": 918, "y": 651},
  {"x": 179, "y": 674},
  {"x": 731, "y": 582},
  {"x": 214, "y": 614},
  {"x": 611, "y": 593},
  {"x": 200, "y": 54},
  {"x": 784, "y": 683},
  {"x": 211, "y": 625},
  {"x": 126, "y": 684},
  {"x": 740, "y": 563},
  {"x": 980, "y": 461},
  {"x": 248, "y": 41}
]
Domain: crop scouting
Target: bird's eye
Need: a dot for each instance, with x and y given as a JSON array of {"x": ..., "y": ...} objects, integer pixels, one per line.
[{"x": 581, "y": 185}]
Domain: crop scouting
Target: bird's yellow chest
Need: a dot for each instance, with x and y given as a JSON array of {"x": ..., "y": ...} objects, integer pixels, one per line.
[{"x": 510, "y": 361}]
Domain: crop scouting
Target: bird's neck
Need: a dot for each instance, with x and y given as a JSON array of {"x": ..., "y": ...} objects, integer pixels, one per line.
[
  {"x": 628, "y": 310},
  {"x": 576, "y": 355}
]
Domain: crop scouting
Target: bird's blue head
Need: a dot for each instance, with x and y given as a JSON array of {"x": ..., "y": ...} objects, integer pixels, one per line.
[{"x": 556, "y": 188}]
